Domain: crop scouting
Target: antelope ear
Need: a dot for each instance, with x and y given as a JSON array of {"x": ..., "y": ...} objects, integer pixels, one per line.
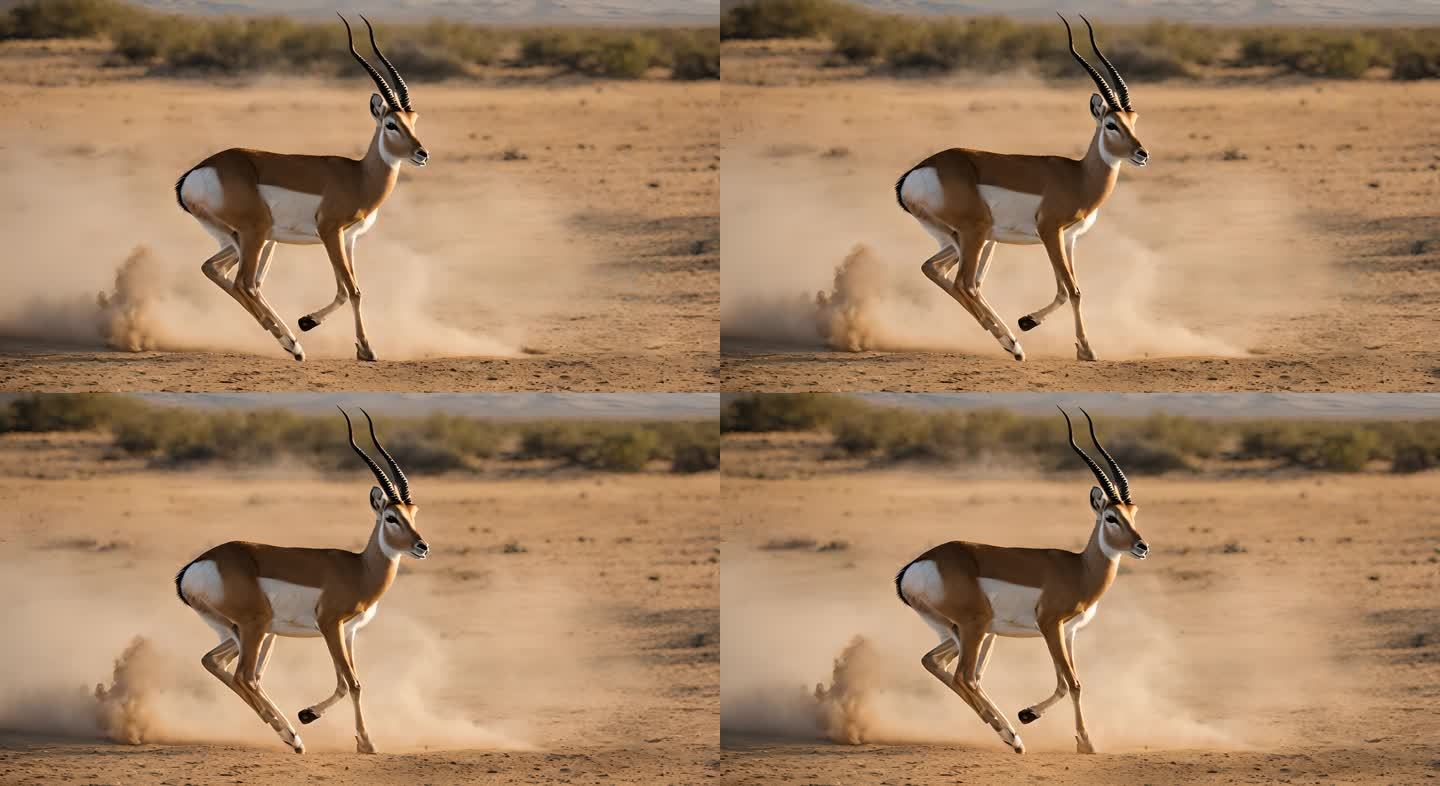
[
  {"x": 377, "y": 105},
  {"x": 1097, "y": 105},
  {"x": 377, "y": 499},
  {"x": 1097, "y": 498}
]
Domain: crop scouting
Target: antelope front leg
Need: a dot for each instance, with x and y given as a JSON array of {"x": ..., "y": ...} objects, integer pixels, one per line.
[
  {"x": 340, "y": 248},
  {"x": 1055, "y": 638},
  {"x": 313, "y": 712},
  {"x": 312, "y": 320},
  {"x": 335, "y": 639},
  {"x": 1061, "y": 249}
]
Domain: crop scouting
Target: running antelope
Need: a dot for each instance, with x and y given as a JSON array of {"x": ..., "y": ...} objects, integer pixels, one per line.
[
  {"x": 249, "y": 593},
  {"x": 249, "y": 200},
  {"x": 969, "y": 200},
  {"x": 970, "y": 593}
]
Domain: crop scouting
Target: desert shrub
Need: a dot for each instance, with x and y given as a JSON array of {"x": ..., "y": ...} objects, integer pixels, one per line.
[
  {"x": 620, "y": 451},
  {"x": 1142, "y": 457},
  {"x": 67, "y": 18},
  {"x": 784, "y": 18},
  {"x": 69, "y": 411},
  {"x": 624, "y": 56},
  {"x": 694, "y": 55},
  {"x": 551, "y": 48},
  {"x": 695, "y": 457},
  {"x": 784, "y": 411},
  {"x": 1413, "y": 458}
]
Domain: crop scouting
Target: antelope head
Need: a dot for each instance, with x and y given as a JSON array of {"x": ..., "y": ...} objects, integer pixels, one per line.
[
  {"x": 1115, "y": 512},
  {"x": 1115, "y": 118},
  {"x": 395, "y": 512},
  {"x": 395, "y": 119}
]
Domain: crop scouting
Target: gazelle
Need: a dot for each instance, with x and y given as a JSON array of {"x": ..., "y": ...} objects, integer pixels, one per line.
[
  {"x": 969, "y": 200},
  {"x": 249, "y": 200},
  {"x": 970, "y": 593},
  {"x": 249, "y": 593}
]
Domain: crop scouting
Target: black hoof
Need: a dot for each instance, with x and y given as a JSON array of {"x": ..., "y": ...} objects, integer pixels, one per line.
[
  {"x": 308, "y": 715},
  {"x": 1028, "y": 716},
  {"x": 1026, "y": 323},
  {"x": 306, "y": 323}
]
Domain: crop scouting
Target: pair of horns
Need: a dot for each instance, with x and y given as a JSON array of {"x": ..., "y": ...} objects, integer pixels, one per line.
[
  {"x": 1117, "y": 497},
  {"x": 397, "y": 103},
  {"x": 1117, "y": 104},
  {"x": 403, "y": 495}
]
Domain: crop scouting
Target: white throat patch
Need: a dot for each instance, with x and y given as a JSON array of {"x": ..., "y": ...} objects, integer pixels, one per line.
[
  {"x": 1110, "y": 553},
  {"x": 390, "y": 553}
]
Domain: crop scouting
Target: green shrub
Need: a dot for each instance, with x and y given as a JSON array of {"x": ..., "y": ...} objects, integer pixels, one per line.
[
  {"x": 622, "y": 451},
  {"x": 622, "y": 57}
]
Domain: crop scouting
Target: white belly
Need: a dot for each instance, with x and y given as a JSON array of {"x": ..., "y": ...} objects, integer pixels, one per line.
[
  {"x": 1013, "y": 215},
  {"x": 293, "y": 214},
  {"x": 292, "y": 607},
  {"x": 1013, "y": 606}
]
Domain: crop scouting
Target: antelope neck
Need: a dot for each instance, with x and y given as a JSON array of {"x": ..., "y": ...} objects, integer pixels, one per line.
[
  {"x": 379, "y": 567},
  {"x": 1100, "y": 569}
]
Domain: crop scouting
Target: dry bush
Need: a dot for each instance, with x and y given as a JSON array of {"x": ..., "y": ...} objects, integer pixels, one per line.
[
  {"x": 172, "y": 436},
  {"x": 439, "y": 49},
  {"x": 1155, "y": 50}
]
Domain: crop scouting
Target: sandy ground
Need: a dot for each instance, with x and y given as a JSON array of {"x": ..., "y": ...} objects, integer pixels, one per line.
[
  {"x": 1280, "y": 239},
  {"x": 1283, "y": 630},
  {"x": 584, "y": 652},
  {"x": 564, "y": 237}
]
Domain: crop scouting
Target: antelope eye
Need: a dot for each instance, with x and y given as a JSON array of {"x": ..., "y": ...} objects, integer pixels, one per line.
[
  {"x": 391, "y": 520},
  {"x": 1111, "y": 520},
  {"x": 1111, "y": 126},
  {"x": 392, "y": 127}
]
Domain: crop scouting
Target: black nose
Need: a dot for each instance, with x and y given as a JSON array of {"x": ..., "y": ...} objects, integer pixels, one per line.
[
  {"x": 423, "y": 546},
  {"x": 1143, "y": 153},
  {"x": 423, "y": 153},
  {"x": 1142, "y": 545}
]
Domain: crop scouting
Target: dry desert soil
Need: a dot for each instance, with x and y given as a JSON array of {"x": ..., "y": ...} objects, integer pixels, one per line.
[
  {"x": 1282, "y": 237},
  {"x": 565, "y": 235},
  {"x": 565, "y": 629},
  {"x": 1284, "y": 630}
]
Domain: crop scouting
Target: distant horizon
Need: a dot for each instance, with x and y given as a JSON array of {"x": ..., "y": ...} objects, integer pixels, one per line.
[
  {"x": 1221, "y": 12},
  {"x": 493, "y": 12}
]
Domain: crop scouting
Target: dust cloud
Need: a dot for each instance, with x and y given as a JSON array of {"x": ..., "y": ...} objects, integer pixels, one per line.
[
  {"x": 834, "y": 655},
  {"x": 102, "y": 256},
  {"x": 104, "y": 659},
  {"x": 816, "y": 253}
]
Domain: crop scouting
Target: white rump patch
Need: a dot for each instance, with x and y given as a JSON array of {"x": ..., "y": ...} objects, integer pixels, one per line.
[
  {"x": 922, "y": 582},
  {"x": 1013, "y": 214},
  {"x": 293, "y": 214},
  {"x": 293, "y": 607},
  {"x": 1013, "y": 606},
  {"x": 202, "y": 189},
  {"x": 922, "y": 189},
  {"x": 202, "y": 582}
]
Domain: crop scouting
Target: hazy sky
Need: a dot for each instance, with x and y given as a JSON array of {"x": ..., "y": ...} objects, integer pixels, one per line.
[
  {"x": 499, "y": 405},
  {"x": 1237, "y": 405},
  {"x": 484, "y": 11},
  {"x": 1236, "y": 11}
]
